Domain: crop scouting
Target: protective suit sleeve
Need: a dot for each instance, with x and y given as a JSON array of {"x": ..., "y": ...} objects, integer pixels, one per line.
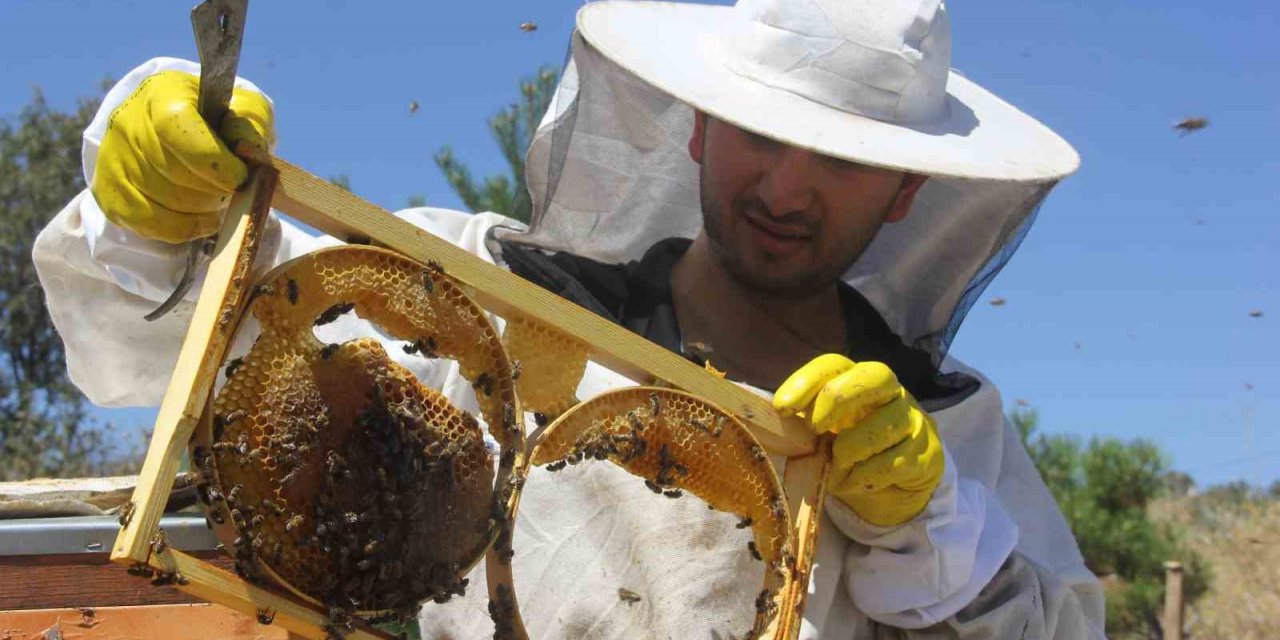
[
  {"x": 923, "y": 571},
  {"x": 1023, "y": 600}
]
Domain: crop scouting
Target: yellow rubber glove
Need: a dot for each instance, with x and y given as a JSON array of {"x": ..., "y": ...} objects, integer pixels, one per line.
[
  {"x": 887, "y": 457},
  {"x": 161, "y": 172}
]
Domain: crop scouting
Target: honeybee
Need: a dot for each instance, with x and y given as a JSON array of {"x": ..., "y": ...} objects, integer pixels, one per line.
[
  {"x": 292, "y": 290},
  {"x": 1190, "y": 125},
  {"x": 328, "y": 351},
  {"x": 745, "y": 522},
  {"x": 159, "y": 542},
  {"x": 484, "y": 382},
  {"x": 333, "y": 313},
  {"x": 557, "y": 465},
  {"x": 233, "y": 366},
  {"x": 628, "y": 596},
  {"x": 755, "y": 551},
  {"x": 126, "y": 513},
  {"x": 764, "y": 603},
  {"x": 265, "y": 616},
  {"x": 528, "y": 27}
]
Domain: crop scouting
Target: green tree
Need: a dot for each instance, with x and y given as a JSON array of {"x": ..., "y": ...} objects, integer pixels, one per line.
[
  {"x": 1104, "y": 488},
  {"x": 44, "y": 426},
  {"x": 513, "y": 128}
]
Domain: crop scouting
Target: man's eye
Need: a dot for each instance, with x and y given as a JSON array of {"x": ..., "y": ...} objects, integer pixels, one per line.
[
  {"x": 840, "y": 164},
  {"x": 760, "y": 141}
]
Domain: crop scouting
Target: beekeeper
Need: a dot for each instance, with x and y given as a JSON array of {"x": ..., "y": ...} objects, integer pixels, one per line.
[{"x": 796, "y": 186}]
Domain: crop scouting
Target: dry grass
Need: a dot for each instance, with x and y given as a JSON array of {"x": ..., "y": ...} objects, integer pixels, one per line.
[{"x": 1241, "y": 543}]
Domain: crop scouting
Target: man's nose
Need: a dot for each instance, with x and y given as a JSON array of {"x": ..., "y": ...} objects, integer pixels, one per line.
[{"x": 787, "y": 184}]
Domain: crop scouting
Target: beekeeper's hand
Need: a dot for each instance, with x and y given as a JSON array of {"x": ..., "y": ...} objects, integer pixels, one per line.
[
  {"x": 887, "y": 458},
  {"x": 161, "y": 171}
]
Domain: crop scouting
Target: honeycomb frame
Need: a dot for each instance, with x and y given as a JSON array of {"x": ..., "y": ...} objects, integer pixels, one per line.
[{"x": 342, "y": 214}]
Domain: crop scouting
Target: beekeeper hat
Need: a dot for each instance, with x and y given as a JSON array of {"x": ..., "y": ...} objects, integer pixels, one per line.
[{"x": 863, "y": 80}]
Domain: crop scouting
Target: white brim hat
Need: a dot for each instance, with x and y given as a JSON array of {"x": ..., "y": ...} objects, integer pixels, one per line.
[
  {"x": 753, "y": 66},
  {"x": 609, "y": 170}
]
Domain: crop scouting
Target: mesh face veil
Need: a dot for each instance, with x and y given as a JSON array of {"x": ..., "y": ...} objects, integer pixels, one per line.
[{"x": 609, "y": 174}]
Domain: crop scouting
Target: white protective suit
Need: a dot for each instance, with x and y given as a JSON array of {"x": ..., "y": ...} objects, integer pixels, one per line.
[{"x": 989, "y": 557}]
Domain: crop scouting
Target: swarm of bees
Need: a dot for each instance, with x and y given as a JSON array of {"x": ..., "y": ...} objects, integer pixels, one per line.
[{"x": 329, "y": 469}]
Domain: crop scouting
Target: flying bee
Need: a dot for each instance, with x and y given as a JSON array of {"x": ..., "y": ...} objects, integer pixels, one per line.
[
  {"x": 628, "y": 596},
  {"x": 328, "y": 351},
  {"x": 233, "y": 366},
  {"x": 1190, "y": 125},
  {"x": 528, "y": 27},
  {"x": 755, "y": 551},
  {"x": 292, "y": 291},
  {"x": 333, "y": 313}
]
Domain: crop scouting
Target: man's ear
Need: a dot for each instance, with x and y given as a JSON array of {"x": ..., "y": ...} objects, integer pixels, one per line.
[
  {"x": 695, "y": 140},
  {"x": 911, "y": 184}
]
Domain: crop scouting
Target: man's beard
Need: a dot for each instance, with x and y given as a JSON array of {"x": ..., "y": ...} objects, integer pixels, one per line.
[{"x": 760, "y": 279}]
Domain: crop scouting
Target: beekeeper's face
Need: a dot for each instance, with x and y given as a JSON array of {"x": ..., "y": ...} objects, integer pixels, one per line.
[{"x": 788, "y": 221}]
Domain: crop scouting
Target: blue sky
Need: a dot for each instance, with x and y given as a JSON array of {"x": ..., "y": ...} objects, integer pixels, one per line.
[{"x": 1127, "y": 307}]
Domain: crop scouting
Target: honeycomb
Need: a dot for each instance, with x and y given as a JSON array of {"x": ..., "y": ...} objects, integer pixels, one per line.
[
  {"x": 331, "y": 469},
  {"x": 678, "y": 442},
  {"x": 551, "y": 365}
]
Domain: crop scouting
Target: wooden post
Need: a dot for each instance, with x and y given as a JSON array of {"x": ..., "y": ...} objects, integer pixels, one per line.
[{"x": 1172, "y": 621}]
